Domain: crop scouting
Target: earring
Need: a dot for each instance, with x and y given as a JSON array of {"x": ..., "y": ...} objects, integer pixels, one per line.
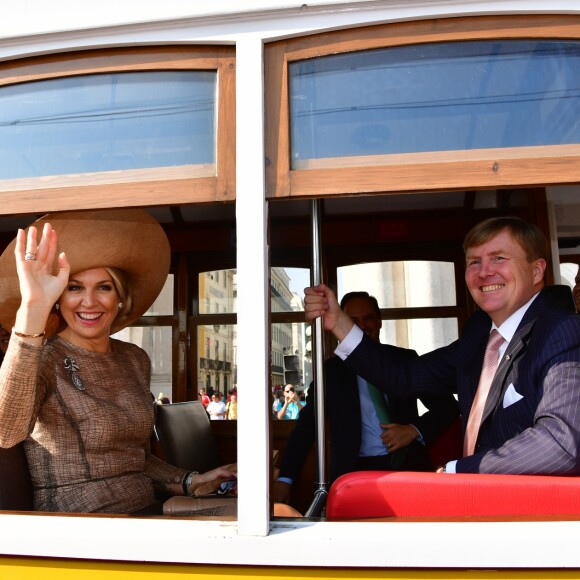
[
  {"x": 120, "y": 305},
  {"x": 57, "y": 306}
]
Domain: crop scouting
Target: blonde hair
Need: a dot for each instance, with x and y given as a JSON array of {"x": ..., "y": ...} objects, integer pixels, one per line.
[
  {"x": 529, "y": 236},
  {"x": 123, "y": 292}
]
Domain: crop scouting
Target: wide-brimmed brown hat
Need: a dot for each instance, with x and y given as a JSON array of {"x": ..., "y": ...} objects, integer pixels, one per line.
[{"x": 128, "y": 239}]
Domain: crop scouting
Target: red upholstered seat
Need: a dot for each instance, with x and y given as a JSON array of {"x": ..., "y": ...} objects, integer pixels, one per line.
[{"x": 379, "y": 494}]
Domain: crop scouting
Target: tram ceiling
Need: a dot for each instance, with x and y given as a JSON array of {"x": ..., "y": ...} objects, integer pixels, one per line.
[{"x": 186, "y": 218}]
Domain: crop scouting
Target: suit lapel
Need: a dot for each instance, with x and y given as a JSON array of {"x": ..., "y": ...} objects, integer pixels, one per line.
[{"x": 499, "y": 384}]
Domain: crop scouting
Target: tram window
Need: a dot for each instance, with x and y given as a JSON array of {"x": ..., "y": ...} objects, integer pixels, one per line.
[
  {"x": 409, "y": 284},
  {"x": 287, "y": 288},
  {"x": 216, "y": 357},
  {"x": 217, "y": 292},
  {"x": 290, "y": 336},
  {"x": 568, "y": 272},
  {"x": 420, "y": 334},
  {"x": 132, "y": 116},
  {"x": 433, "y": 97},
  {"x": 291, "y": 356},
  {"x": 163, "y": 305},
  {"x": 114, "y": 122},
  {"x": 156, "y": 340}
]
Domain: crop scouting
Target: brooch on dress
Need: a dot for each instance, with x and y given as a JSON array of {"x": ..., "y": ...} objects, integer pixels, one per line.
[{"x": 70, "y": 364}]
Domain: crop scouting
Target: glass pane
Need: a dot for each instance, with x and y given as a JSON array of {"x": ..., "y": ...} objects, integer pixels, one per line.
[
  {"x": 291, "y": 359},
  {"x": 568, "y": 271},
  {"x": 291, "y": 354},
  {"x": 435, "y": 97},
  {"x": 287, "y": 288},
  {"x": 156, "y": 342},
  {"x": 163, "y": 305},
  {"x": 217, "y": 291},
  {"x": 107, "y": 122},
  {"x": 420, "y": 334},
  {"x": 216, "y": 358},
  {"x": 410, "y": 284}
]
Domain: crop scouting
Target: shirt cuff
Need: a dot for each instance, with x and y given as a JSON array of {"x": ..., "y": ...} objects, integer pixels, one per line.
[
  {"x": 450, "y": 466},
  {"x": 419, "y": 437},
  {"x": 350, "y": 342}
]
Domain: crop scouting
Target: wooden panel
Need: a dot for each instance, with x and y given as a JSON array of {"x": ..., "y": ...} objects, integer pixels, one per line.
[
  {"x": 276, "y": 138},
  {"x": 143, "y": 194},
  {"x": 418, "y": 172},
  {"x": 112, "y": 60},
  {"x": 452, "y": 175},
  {"x": 226, "y": 127},
  {"x": 436, "y": 30},
  {"x": 116, "y": 177},
  {"x": 147, "y": 187}
]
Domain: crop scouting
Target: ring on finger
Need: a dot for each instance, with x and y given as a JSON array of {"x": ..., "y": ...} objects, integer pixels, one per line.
[{"x": 30, "y": 256}]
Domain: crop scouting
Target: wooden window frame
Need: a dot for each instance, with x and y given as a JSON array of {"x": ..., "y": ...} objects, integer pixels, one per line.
[
  {"x": 431, "y": 171},
  {"x": 141, "y": 187}
]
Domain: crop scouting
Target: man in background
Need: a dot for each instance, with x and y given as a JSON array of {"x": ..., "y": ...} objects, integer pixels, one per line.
[
  {"x": 291, "y": 405},
  {"x": 362, "y": 436},
  {"x": 217, "y": 408}
]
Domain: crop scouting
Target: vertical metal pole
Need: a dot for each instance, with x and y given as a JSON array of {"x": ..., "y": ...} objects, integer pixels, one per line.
[{"x": 321, "y": 493}]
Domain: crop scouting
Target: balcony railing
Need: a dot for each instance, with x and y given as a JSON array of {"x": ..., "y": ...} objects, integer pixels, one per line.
[{"x": 215, "y": 365}]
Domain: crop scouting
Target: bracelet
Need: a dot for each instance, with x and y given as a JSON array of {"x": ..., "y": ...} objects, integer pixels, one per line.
[
  {"x": 186, "y": 483},
  {"x": 24, "y": 335}
]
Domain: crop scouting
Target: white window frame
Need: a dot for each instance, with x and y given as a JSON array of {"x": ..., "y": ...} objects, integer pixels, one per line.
[{"x": 253, "y": 539}]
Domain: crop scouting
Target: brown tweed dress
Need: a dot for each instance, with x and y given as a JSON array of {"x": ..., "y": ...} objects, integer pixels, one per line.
[{"x": 87, "y": 418}]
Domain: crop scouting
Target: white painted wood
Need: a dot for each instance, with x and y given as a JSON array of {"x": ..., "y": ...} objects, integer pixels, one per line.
[
  {"x": 253, "y": 304},
  {"x": 29, "y": 28}
]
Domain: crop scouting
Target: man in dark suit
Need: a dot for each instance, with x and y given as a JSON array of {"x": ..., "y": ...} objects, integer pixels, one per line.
[
  {"x": 358, "y": 440},
  {"x": 529, "y": 421}
]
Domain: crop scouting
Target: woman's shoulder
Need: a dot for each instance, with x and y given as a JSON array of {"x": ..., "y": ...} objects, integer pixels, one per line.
[
  {"x": 129, "y": 353},
  {"x": 124, "y": 347}
]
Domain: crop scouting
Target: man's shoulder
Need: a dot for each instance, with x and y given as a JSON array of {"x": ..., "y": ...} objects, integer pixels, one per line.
[
  {"x": 551, "y": 314},
  {"x": 559, "y": 297}
]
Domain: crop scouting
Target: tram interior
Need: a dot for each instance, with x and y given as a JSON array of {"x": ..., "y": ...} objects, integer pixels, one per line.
[{"x": 355, "y": 230}]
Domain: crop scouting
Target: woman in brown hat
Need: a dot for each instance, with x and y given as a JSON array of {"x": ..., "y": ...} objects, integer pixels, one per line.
[{"x": 79, "y": 399}]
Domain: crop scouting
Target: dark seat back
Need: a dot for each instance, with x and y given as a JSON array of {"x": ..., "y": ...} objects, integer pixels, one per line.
[
  {"x": 186, "y": 437},
  {"x": 562, "y": 294},
  {"x": 15, "y": 483},
  {"x": 448, "y": 446}
]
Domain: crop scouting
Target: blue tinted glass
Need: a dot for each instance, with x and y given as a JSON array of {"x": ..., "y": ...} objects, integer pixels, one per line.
[
  {"x": 107, "y": 122},
  {"x": 436, "y": 97}
]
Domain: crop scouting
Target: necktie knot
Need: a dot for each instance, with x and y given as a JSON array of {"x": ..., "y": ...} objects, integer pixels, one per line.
[{"x": 494, "y": 343}]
